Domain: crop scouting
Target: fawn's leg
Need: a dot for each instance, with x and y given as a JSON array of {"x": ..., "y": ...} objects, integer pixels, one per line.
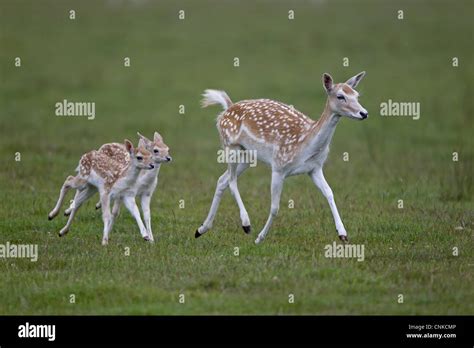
[
  {"x": 115, "y": 212},
  {"x": 222, "y": 185},
  {"x": 131, "y": 205},
  {"x": 64, "y": 189},
  {"x": 320, "y": 182},
  {"x": 86, "y": 192},
  {"x": 106, "y": 215},
  {"x": 277, "y": 186},
  {"x": 83, "y": 193},
  {"x": 145, "y": 204},
  {"x": 67, "y": 212}
]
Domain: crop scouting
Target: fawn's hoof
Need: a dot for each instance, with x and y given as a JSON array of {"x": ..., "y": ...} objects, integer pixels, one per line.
[
  {"x": 50, "y": 218},
  {"x": 344, "y": 239},
  {"x": 105, "y": 242},
  {"x": 67, "y": 213},
  {"x": 148, "y": 239},
  {"x": 246, "y": 229},
  {"x": 197, "y": 234}
]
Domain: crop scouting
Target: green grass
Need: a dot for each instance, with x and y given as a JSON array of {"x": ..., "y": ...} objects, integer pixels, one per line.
[{"x": 407, "y": 251}]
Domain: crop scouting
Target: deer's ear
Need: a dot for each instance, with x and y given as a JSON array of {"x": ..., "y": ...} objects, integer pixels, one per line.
[
  {"x": 354, "y": 80},
  {"x": 143, "y": 138},
  {"x": 327, "y": 82},
  {"x": 128, "y": 146},
  {"x": 157, "y": 137}
]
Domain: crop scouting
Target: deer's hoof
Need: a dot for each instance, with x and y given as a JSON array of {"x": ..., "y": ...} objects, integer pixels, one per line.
[
  {"x": 197, "y": 234},
  {"x": 105, "y": 242},
  {"x": 67, "y": 213},
  {"x": 62, "y": 233},
  {"x": 148, "y": 239},
  {"x": 344, "y": 239},
  {"x": 246, "y": 229}
]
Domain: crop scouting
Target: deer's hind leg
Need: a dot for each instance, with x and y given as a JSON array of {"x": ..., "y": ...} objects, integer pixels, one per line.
[
  {"x": 67, "y": 185},
  {"x": 276, "y": 188},
  {"x": 244, "y": 216},
  {"x": 83, "y": 193},
  {"x": 222, "y": 185}
]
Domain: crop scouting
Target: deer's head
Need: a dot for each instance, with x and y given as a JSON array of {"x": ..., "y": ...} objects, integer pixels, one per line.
[
  {"x": 140, "y": 157},
  {"x": 343, "y": 98},
  {"x": 157, "y": 147}
]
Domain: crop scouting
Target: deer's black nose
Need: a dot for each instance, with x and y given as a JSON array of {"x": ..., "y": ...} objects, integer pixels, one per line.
[
  {"x": 364, "y": 114},
  {"x": 168, "y": 158},
  {"x": 152, "y": 166}
]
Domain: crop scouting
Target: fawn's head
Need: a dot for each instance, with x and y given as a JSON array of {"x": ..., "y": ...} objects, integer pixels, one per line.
[
  {"x": 343, "y": 99},
  {"x": 157, "y": 147},
  {"x": 140, "y": 157}
]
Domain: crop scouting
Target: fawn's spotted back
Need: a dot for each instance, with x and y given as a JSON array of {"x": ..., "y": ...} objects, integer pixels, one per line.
[
  {"x": 110, "y": 163},
  {"x": 117, "y": 152}
]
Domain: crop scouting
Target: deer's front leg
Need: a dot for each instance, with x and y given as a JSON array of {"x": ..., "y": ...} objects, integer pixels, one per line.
[
  {"x": 319, "y": 180},
  {"x": 277, "y": 186},
  {"x": 106, "y": 216},
  {"x": 114, "y": 214},
  {"x": 145, "y": 203},
  {"x": 131, "y": 205}
]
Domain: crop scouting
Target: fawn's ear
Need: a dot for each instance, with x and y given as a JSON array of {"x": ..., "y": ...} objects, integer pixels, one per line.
[
  {"x": 157, "y": 137},
  {"x": 143, "y": 138},
  {"x": 354, "y": 80},
  {"x": 128, "y": 146},
  {"x": 327, "y": 82}
]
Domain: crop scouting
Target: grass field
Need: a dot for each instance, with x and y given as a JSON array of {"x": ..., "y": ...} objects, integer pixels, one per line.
[{"x": 408, "y": 251}]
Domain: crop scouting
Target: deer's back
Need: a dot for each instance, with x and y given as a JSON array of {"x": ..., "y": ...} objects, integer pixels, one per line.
[
  {"x": 265, "y": 125},
  {"x": 117, "y": 152},
  {"x": 265, "y": 119},
  {"x": 96, "y": 163}
]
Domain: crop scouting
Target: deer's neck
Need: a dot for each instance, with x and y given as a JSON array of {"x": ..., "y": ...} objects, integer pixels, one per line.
[
  {"x": 322, "y": 131},
  {"x": 130, "y": 174},
  {"x": 151, "y": 174}
]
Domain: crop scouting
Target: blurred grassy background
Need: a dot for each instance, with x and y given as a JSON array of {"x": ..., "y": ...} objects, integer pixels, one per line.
[{"x": 408, "y": 251}]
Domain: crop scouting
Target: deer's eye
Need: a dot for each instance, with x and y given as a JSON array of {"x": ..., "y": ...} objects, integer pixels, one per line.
[
  {"x": 139, "y": 158},
  {"x": 341, "y": 97},
  {"x": 155, "y": 151}
]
